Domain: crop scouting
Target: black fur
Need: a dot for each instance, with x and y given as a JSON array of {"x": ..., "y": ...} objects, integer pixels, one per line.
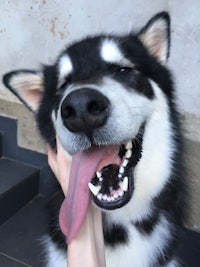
[
  {"x": 115, "y": 235},
  {"x": 147, "y": 225},
  {"x": 50, "y": 100},
  {"x": 54, "y": 232}
]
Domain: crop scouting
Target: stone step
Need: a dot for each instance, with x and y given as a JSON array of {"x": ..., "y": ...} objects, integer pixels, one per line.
[
  {"x": 1, "y": 144},
  {"x": 19, "y": 183}
]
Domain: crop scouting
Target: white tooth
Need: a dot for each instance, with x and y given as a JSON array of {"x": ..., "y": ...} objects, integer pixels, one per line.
[
  {"x": 99, "y": 196},
  {"x": 129, "y": 145},
  {"x": 116, "y": 195},
  {"x": 124, "y": 185},
  {"x": 128, "y": 154},
  {"x": 119, "y": 175},
  {"x": 121, "y": 170},
  {"x": 105, "y": 197},
  {"x": 121, "y": 193},
  {"x": 111, "y": 189},
  {"x": 98, "y": 174},
  {"x": 94, "y": 189},
  {"x": 125, "y": 163},
  {"x": 112, "y": 198},
  {"x": 108, "y": 199}
]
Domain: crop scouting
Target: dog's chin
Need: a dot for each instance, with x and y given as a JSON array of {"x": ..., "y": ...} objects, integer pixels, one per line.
[{"x": 113, "y": 185}]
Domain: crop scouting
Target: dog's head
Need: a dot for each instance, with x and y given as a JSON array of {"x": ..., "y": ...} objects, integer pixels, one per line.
[{"x": 97, "y": 98}]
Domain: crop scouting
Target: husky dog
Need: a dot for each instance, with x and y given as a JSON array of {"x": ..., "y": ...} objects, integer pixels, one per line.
[{"x": 110, "y": 101}]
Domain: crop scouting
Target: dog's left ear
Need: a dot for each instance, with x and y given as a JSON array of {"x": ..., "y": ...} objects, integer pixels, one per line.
[
  {"x": 27, "y": 85},
  {"x": 155, "y": 36}
]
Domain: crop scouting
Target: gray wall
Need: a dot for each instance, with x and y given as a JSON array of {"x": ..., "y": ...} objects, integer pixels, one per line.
[{"x": 33, "y": 32}]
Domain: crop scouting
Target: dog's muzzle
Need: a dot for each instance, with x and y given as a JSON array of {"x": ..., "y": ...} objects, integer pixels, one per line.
[{"x": 85, "y": 110}]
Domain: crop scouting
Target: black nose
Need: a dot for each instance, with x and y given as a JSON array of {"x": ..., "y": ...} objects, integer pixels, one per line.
[{"x": 85, "y": 110}]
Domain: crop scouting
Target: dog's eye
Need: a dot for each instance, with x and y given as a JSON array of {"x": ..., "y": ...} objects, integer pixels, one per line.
[
  {"x": 120, "y": 69},
  {"x": 125, "y": 69}
]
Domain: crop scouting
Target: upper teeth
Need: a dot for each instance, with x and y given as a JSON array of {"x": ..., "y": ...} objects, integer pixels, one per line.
[
  {"x": 125, "y": 162},
  {"x": 121, "y": 170},
  {"x": 129, "y": 145},
  {"x": 94, "y": 189},
  {"x": 128, "y": 153},
  {"x": 124, "y": 185},
  {"x": 98, "y": 174}
]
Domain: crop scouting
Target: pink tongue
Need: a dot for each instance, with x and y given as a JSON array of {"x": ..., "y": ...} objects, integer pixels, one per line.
[{"x": 84, "y": 165}]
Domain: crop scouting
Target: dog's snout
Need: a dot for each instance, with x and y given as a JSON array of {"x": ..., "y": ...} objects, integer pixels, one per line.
[{"x": 85, "y": 110}]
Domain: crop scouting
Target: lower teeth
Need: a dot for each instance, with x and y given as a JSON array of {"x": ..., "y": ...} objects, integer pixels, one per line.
[{"x": 110, "y": 198}]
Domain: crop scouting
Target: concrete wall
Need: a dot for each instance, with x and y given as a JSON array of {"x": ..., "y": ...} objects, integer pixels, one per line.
[{"x": 35, "y": 31}]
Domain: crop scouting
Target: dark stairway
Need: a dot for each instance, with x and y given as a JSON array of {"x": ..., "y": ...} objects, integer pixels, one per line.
[
  {"x": 18, "y": 185},
  {"x": 22, "y": 203}
]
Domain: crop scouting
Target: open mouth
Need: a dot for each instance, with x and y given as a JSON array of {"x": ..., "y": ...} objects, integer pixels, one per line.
[{"x": 113, "y": 185}]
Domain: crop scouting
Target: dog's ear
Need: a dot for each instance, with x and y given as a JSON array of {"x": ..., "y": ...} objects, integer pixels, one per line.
[
  {"x": 27, "y": 85},
  {"x": 155, "y": 36}
]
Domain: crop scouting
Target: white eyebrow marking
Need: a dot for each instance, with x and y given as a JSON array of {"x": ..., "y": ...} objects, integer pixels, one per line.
[
  {"x": 65, "y": 66},
  {"x": 111, "y": 53}
]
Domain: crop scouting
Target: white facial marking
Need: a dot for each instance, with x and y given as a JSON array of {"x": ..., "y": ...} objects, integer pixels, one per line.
[
  {"x": 111, "y": 53},
  {"x": 154, "y": 168},
  {"x": 53, "y": 255},
  {"x": 65, "y": 66}
]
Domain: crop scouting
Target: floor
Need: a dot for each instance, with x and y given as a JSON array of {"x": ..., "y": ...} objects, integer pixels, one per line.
[
  {"x": 189, "y": 250},
  {"x": 20, "y": 237}
]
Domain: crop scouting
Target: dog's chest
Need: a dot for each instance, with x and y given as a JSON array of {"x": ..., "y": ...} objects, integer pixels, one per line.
[{"x": 139, "y": 249}]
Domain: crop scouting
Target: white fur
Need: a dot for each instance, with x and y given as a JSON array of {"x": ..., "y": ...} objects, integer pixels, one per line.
[
  {"x": 111, "y": 53},
  {"x": 154, "y": 168},
  {"x": 173, "y": 263},
  {"x": 141, "y": 250},
  {"x": 54, "y": 256},
  {"x": 152, "y": 172},
  {"x": 65, "y": 67}
]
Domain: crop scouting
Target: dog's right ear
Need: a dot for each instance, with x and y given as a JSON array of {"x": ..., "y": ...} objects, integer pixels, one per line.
[
  {"x": 27, "y": 85},
  {"x": 155, "y": 36}
]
